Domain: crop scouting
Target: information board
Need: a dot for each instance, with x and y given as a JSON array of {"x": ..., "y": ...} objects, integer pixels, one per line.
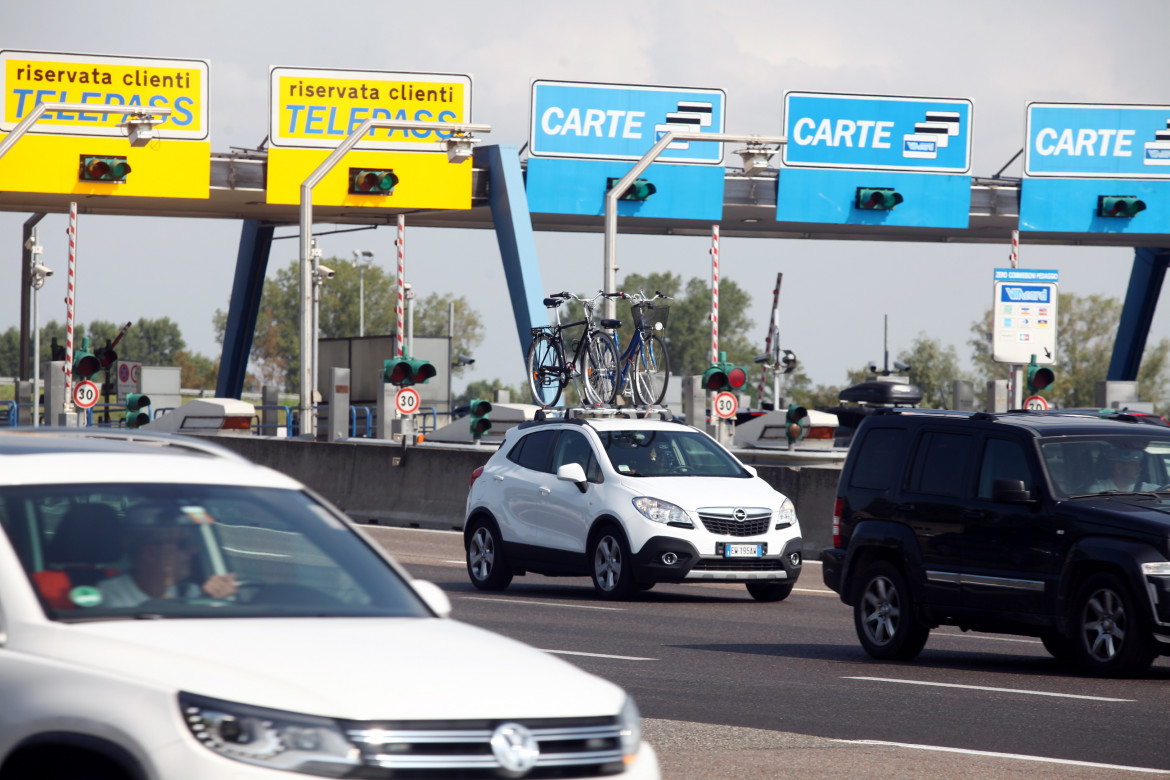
[
  {"x": 1075, "y": 140},
  {"x": 1023, "y": 315}
]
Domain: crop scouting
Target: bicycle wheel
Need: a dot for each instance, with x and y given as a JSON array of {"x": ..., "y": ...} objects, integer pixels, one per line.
[
  {"x": 545, "y": 377},
  {"x": 601, "y": 369},
  {"x": 651, "y": 371}
]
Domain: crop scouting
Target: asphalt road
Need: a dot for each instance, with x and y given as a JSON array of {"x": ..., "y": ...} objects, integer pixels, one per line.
[{"x": 729, "y": 687}]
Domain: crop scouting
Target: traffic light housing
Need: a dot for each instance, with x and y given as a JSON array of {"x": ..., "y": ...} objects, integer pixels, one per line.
[
  {"x": 1039, "y": 377},
  {"x": 135, "y": 403},
  {"x": 1126, "y": 206},
  {"x": 372, "y": 181},
  {"x": 102, "y": 168},
  {"x": 106, "y": 356},
  {"x": 724, "y": 375},
  {"x": 85, "y": 363},
  {"x": 480, "y": 423},
  {"x": 795, "y": 423},
  {"x": 877, "y": 198},
  {"x": 406, "y": 371},
  {"x": 788, "y": 361},
  {"x": 639, "y": 189}
]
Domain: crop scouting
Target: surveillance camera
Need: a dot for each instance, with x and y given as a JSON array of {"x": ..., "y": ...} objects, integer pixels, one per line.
[
  {"x": 762, "y": 358},
  {"x": 325, "y": 271},
  {"x": 42, "y": 270}
]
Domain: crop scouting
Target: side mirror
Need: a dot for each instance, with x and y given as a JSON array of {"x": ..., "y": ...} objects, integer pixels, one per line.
[
  {"x": 750, "y": 469},
  {"x": 572, "y": 472},
  {"x": 433, "y": 596},
  {"x": 1010, "y": 491}
]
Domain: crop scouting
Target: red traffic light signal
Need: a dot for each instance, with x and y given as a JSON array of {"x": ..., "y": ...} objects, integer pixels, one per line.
[{"x": 95, "y": 168}]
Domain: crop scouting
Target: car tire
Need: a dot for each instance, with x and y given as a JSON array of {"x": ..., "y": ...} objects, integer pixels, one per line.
[
  {"x": 486, "y": 565},
  {"x": 883, "y": 614},
  {"x": 611, "y": 564},
  {"x": 1059, "y": 647},
  {"x": 769, "y": 591},
  {"x": 1110, "y": 639}
]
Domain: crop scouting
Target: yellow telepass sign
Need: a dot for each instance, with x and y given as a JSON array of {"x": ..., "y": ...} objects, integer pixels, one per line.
[
  {"x": 318, "y": 109},
  {"x": 28, "y": 78}
]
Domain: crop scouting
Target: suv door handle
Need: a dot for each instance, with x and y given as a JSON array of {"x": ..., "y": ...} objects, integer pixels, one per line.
[
  {"x": 497, "y": 478},
  {"x": 904, "y": 507},
  {"x": 544, "y": 491}
]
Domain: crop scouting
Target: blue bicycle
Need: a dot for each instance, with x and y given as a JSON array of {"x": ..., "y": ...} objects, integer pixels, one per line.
[{"x": 645, "y": 363}]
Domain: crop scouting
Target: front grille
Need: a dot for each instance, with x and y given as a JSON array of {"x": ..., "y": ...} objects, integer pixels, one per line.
[
  {"x": 721, "y": 521},
  {"x": 580, "y": 747},
  {"x": 739, "y": 564}
]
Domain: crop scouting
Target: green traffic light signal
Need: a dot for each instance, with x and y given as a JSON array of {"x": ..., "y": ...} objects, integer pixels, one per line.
[
  {"x": 1039, "y": 377},
  {"x": 724, "y": 375},
  {"x": 135, "y": 403},
  {"x": 796, "y": 423},
  {"x": 639, "y": 189},
  {"x": 95, "y": 168},
  {"x": 85, "y": 363},
  {"x": 479, "y": 409},
  {"x": 1126, "y": 206},
  {"x": 367, "y": 181},
  {"x": 877, "y": 198}
]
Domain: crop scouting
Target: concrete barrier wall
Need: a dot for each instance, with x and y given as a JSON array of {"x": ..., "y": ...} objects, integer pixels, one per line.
[{"x": 426, "y": 487}]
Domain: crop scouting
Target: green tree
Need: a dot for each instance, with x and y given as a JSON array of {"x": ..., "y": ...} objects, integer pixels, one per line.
[
  {"x": 150, "y": 342},
  {"x": 486, "y": 388},
  {"x": 1086, "y": 330},
  {"x": 933, "y": 368},
  {"x": 430, "y": 319}
]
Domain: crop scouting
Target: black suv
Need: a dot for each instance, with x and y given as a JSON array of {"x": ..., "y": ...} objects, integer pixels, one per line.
[{"x": 1048, "y": 525}]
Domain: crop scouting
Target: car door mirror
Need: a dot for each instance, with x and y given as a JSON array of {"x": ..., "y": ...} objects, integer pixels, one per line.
[
  {"x": 434, "y": 597},
  {"x": 1010, "y": 491},
  {"x": 572, "y": 472},
  {"x": 750, "y": 469}
]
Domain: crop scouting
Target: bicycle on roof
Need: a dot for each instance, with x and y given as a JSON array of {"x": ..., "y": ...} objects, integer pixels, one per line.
[
  {"x": 593, "y": 365},
  {"x": 645, "y": 363}
]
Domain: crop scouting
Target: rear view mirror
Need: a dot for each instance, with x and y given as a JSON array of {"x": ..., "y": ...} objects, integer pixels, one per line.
[
  {"x": 1010, "y": 491},
  {"x": 572, "y": 472}
]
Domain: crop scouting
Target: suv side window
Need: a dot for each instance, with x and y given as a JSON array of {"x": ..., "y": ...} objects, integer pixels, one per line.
[
  {"x": 1003, "y": 459},
  {"x": 940, "y": 465},
  {"x": 877, "y": 462},
  {"x": 573, "y": 447},
  {"x": 534, "y": 451}
]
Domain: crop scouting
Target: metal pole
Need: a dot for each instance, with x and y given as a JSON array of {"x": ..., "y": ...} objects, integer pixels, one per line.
[
  {"x": 93, "y": 108},
  {"x": 308, "y": 420},
  {"x": 70, "y": 295},
  {"x": 361, "y": 301},
  {"x": 611, "y": 198},
  {"x": 450, "y": 355},
  {"x": 38, "y": 281}
]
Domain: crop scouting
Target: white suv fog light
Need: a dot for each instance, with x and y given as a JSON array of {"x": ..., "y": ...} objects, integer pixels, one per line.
[
  {"x": 794, "y": 558},
  {"x": 670, "y": 559}
]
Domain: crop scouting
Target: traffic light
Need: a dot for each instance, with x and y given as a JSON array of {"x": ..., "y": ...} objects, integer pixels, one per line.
[
  {"x": 724, "y": 375},
  {"x": 406, "y": 371},
  {"x": 1119, "y": 206},
  {"x": 639, "y": 189},
  {"x": 877, "y": 198},
  {"x": 796, "y": 423},
  {"x": 1039, "y": 378},
  {"x": 94, "y": 168},
  {"x": 479, "y": 411},
  {"x": 135, "y": 403},
  {"x": 106, "y": 355},
  {"x": 366, "y": 181},
  {"x": 85, "y": 363},
  {"x": 788, "y": 361}
]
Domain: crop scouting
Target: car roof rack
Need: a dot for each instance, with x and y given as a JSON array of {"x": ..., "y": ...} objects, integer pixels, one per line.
[
  {"x": 604, "y": 413},
  {"x": 914, "y": 410}
]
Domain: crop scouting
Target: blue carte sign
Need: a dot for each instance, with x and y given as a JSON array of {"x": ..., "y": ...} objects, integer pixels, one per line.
[
  {"x": 1097, "y": 141},
  {"x": 622, "y": 122},
  {"x": 929, "y": 135}
]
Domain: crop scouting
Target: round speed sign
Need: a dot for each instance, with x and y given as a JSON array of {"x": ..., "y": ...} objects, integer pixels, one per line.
[
  {"x": 406, "y": 401},
  {"x": 85, "y": 394},
  {"x": 726, "y": 405},
  {"x": 1036, "y": 403}
]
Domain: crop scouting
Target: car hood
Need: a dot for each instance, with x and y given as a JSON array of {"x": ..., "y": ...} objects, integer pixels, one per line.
[
  {"x": 359, "y": 669},
  {"x": 1143, "y": 513},
  {"x": 693, "y": 492}
]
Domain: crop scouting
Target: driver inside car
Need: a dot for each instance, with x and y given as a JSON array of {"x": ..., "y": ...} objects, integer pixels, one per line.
[
  {"x": 1124, "y": 473},
  {"x": 161, "y": 549}
]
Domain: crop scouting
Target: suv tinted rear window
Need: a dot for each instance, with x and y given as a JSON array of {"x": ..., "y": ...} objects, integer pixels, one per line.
[
  {"x": 875, "y": 467},
  {"x": 941, "y": 464}
]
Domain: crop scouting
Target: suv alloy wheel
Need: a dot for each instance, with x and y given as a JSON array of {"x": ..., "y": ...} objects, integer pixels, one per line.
[
  {"x": 485, "y": 557},
  {"x": 884, "y": 616},
  {"x": 613, "y": 565},
  {"x": 1109, "y": 641}
]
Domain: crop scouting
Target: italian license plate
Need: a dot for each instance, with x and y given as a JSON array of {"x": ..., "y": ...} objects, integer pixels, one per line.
[{"x": 742, "y": 550}]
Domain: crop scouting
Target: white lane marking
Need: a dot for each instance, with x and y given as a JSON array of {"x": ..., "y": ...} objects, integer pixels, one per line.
[
  {"x": 600, "y": 655},
  {"x": 987, "y": 688},
  {"x": 459, "y": 563},
  {"x": 543, "y": 603},
  {"x": 1015, "y": 756},
  {"x": 816, "y": 591}
]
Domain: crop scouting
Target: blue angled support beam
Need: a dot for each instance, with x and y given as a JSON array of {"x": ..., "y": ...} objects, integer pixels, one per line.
[
  {"x": 509, "y": 205},
  {"x": 251, "y": 265},
  {"x": 1141, "y": 299}
]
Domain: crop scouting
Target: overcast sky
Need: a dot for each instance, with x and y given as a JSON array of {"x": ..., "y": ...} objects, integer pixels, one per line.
[{"x": 999, "y": 54}]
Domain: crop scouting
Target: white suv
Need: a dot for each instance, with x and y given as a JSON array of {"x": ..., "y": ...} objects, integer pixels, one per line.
[
  {"x": 169, "y": 610},
  {"x": 629, "y": 502}
]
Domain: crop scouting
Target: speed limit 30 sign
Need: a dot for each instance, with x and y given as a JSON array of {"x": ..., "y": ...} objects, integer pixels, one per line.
[
  {"x": 85, "y": 394},
  {"x": 726, "y": 405},
  {"x": 406, "y": 400}
]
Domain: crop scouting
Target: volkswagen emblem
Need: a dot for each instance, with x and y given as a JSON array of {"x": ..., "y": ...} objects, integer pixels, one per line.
[
  {"x": 739, "y": 514},
  {"x": 515, "y": 748}
]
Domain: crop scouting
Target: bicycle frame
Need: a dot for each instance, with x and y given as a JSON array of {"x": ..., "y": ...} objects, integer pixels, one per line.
[{"x": 568, "y": 370}]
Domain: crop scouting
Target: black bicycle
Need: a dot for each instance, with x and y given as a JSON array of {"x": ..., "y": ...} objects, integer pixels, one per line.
[{"x": 593, "y": 365}]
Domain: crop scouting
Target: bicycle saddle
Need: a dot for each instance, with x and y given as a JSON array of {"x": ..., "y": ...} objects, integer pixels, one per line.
[{"x": 612, "y": 324}]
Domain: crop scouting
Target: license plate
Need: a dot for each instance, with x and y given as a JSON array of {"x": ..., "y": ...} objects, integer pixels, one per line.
[{"x": 742, "y": 550}]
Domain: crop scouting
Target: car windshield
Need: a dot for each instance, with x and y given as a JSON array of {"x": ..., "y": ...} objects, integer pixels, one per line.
[
  {"x": 180, "y": 551},
  {"x": 1091, "y": 465},
  {"x": 668, "y": 453}
]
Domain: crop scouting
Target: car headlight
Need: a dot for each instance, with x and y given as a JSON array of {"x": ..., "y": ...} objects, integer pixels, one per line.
[
  {"x": 663, "y": 512},
  {"x": 270, "y": 738},
  {"x": 630, "y": 723},
  {"x": 1156, "y": 569},
  {"x": 786, "y": 516}
]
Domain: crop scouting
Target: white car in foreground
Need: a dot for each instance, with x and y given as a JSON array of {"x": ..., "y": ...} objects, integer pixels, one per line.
[
  {"x": 630, "y": 503},
  {"x": 169, "y": 610}
]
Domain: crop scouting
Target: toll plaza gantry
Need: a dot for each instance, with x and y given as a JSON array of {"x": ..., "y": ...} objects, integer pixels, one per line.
[{"x": 846, "y": 167}]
